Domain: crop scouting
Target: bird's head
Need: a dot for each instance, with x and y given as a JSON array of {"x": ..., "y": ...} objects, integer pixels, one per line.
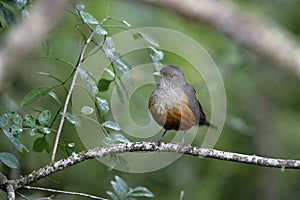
[{"x": 170, "y": 75}]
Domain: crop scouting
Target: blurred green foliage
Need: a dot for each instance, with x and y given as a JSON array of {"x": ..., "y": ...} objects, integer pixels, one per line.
[{"x": 263, "y": 110}]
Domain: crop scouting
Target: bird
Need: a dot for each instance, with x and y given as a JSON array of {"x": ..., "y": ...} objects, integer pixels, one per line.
[{"x": 174, "y": 105}]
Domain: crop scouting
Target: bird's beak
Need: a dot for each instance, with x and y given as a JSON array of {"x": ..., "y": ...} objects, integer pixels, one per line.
[{"x": 157, "y": 74}]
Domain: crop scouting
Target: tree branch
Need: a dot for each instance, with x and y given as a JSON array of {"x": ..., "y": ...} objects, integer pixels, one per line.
[
  {"x": 257, "y": 33},
  {"x": 63, "y": 192},
  {"x": 150, "y": 147},
  {"x": 10, "y": 192}
]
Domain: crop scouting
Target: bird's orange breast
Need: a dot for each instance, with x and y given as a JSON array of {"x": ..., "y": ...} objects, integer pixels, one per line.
[{"x": 174, "y": 116}]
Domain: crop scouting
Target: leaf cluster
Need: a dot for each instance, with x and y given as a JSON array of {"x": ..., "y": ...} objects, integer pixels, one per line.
[
  {"x": 13, "y": 125},
  {"x": 7, "y": 8},
  {"x": 123, "y": 192}
]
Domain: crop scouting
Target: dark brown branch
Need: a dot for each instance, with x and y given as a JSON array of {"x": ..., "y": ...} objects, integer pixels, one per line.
[
  {"x": 149, "y": 147},
  {"x": 259, "y": 34}
]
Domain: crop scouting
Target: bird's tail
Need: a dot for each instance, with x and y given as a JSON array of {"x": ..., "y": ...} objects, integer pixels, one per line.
[{"x": 211, "y": 125}]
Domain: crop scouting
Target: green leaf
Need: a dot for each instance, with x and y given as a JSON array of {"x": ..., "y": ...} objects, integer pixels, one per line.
[
  {"x": 71, "y": 145},
  {"x": 45, "y": 117},
  {"x": 115, "y": 139},
  {"x": 72, "y": 119},
  {"x": 112, "y": 195},
  {"x": 32, "y": 132},
  {"x": 120, "y": 186},
  {"x": 9, "y": 16},
  {"x": 64, "y": 148},
  {"x": 3, "y": 120},
  {"x": 49, "y": 76},
  {"x": 16, "y": 118},
  {"x": 89, "y": 81},
  {"x": 108, "y": 141},
  {"x": 112, "y": 162},
  {"x": 46, "y": 130},
  {"x": 87, "y": 110},
  {"x": 109, "y": 48},
  {"x": 103, "y": 85},
  {"x": 121, "y": 65},
  {"x": 140, "y": 192},
  {"x": 120, "y": 138},
  {"x": 55, "y": 97},
  {"x": 103, "y": 105},
  {"x": 18, "y": 4},
  {"x": 123, "y": 163},
  {"x": 34, "y": 95},
  {"x": 38, "y": 145},
  {"x": 41, "y": 144},
  {"x": 15, "y": 129},
  {"x": 100, "y": 30},
  {"x": 29, "y": 120},
  {"x": 80, "y": 7},
  {"x": 19, "y": 146},
  {"x": 9, "y": 160},
  {"x": 119, "y": 92},
  {"x": 26, "y": 15},
  {"x": 112, "y": 125},
  {"x": 88, "y": 18}
]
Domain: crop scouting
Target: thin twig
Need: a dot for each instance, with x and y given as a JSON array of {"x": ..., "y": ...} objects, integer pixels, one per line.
[
  {"x": 77, "y": 69},
  {"x": 181, "y": 195},
  {"x": 107, "y": 7},
  {"x": 22, "y": 196},
  {"x": 63, "y": 192},
  {"x": 79, "y": 62}
]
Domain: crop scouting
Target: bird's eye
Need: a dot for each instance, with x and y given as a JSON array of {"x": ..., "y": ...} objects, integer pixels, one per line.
[{"x": 171, "y": 75}]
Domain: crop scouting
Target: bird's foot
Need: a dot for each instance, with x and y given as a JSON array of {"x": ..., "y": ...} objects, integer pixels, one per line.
[
  {"x": 181, "y": 144},
  {"x": 158, "y": 141}
]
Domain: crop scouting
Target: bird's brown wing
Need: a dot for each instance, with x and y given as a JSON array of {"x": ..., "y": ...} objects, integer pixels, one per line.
[{"x": 195, "y": 105}]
